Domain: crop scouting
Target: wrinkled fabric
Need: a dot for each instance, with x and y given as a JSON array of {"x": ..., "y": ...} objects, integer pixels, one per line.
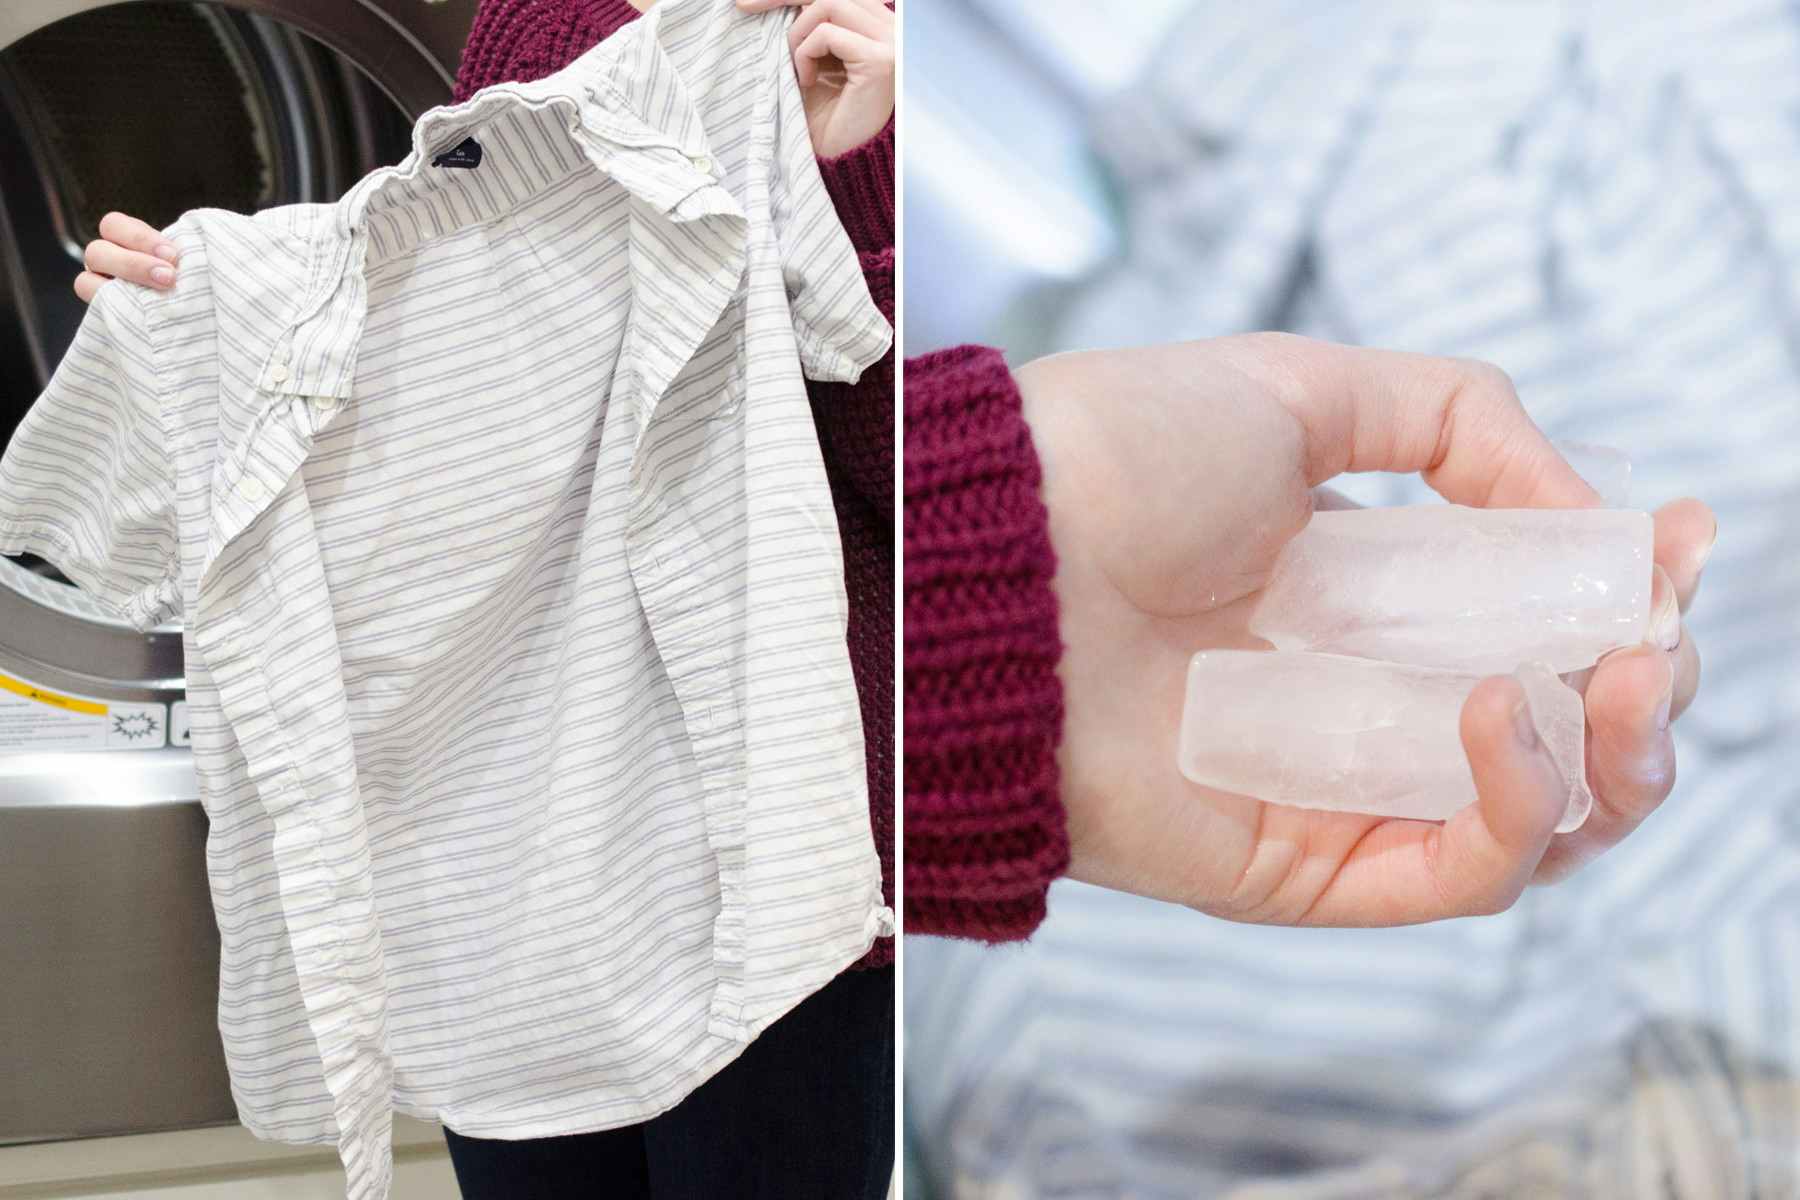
[{"x": 512, "y": 595}]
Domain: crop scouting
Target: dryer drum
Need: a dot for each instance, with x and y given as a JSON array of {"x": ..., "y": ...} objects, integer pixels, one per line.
[{"x": 153, "y": 108}]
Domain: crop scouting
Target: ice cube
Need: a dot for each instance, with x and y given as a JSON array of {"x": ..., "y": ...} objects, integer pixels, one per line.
[
  {"x": 1355, "y": 735},
  {"x": 1471, "y": 589}
]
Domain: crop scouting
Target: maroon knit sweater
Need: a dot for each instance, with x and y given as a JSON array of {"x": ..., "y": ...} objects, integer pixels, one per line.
[
  {"x": 985, "y": 829},
  {"x": 522, "y": 40}
]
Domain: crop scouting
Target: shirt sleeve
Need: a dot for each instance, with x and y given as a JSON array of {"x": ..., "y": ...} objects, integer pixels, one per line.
[
  {"x": 86, "y": 482},
  {"x": 839, "y": 329}
]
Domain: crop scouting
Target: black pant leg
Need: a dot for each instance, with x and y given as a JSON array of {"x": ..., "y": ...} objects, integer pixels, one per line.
[
  {"x": 805, "y": 1113},
  {"x": 607, "y": 1165}
]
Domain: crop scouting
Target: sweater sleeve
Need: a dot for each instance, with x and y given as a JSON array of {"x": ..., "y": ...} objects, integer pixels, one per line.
[
  {"x": 861, "y": 184},
  {"x": 985, "y": 828},
  {"x": 856, "y": 421},
  {"x": 855, "y": 424}
]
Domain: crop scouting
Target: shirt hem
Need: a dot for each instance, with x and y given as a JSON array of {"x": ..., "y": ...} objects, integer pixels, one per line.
[{"x": 727, "y": 1048}]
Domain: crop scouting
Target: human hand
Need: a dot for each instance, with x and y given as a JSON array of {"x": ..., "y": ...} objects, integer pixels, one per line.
[
  {"x": 1173, "y": 476},
  {"x": 844, "y": 58},
  {"x": 127, "y": 248}
]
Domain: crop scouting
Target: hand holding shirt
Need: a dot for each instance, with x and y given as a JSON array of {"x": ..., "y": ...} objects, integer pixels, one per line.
[{"x": 514, "y": 607}]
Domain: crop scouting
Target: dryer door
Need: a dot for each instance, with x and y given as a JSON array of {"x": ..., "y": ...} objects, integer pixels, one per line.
[{"x": 108, "y": 945}]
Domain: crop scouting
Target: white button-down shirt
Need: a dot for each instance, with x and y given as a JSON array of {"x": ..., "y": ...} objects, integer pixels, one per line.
[{"x": 512, "y": 595}]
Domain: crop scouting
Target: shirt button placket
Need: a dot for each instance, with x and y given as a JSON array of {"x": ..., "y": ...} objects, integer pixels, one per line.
[{"x": 278, "y": 370}]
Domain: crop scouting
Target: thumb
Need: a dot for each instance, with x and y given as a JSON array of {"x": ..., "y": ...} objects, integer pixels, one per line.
[{"x": 1490, "y": 849}]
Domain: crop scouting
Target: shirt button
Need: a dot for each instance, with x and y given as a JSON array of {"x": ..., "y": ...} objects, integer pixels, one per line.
[
  {"x": 702, "y": 164},
  {"x": 252, "y": 488},
  {"x": 278, "y": 373},
  {"x": 321, "y": 404}
]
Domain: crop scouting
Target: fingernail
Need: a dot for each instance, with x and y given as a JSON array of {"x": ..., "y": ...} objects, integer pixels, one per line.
[
  {"x": 1706, "y": 554},
  {"x": 1668, "y": 696},
  {"x": 162, "y": 276},
  {"x": 165, "y": 251},
  {"x": 1665, "y": 623},
  {"x": 1523, "y": 728}
]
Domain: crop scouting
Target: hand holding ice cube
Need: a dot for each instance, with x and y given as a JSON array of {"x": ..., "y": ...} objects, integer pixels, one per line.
[
  {"x": 1383, "y": 620},
  {"x": 1174, "y": 475}
]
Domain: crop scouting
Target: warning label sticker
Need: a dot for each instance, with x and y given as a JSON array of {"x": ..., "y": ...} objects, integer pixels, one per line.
[{"x": 34, "y": 718}]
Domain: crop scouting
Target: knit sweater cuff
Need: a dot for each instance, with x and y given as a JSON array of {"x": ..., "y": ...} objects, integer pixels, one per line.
[
  {"x": 985, "y": 828},
  {"x": 861, "y": 185}
]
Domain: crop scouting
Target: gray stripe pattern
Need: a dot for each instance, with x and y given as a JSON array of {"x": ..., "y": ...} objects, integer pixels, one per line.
[
  {"x": 513, "y": 600},
  {"x": 1604, "y": 200}
]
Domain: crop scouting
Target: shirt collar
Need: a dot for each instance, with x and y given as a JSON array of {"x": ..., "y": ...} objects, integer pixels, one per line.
[{"x": 625, "y": 109}]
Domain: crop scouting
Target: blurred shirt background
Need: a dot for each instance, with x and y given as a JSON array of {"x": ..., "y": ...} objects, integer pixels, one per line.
[{"x": 1603, "y": 199}]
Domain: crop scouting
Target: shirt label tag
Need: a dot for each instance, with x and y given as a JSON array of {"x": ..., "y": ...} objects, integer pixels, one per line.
[{"x": 466, "y": 153}]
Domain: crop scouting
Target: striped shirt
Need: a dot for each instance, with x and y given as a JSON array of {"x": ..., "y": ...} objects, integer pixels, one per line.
[{"x": 513, "y": 602}]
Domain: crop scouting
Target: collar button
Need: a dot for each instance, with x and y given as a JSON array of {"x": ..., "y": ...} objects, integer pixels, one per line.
[{"x": 278, "y": 374}]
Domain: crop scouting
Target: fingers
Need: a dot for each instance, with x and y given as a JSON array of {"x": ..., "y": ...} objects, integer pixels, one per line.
[
  {"x": 1665, "y": 613},
  {"x": 86, "y": 284},
  {"x": 1631, "y": 757},
  {"x": 1634, "y": 694},
  {"x": 1480, "y": 860},
  {"x": 116, "y": 262},
  {"x": 126, "y": 249},
  {"x": 834, "y": 41},
  {"x": 133, "y": 234},
  {"x": 852, "y": 31},
  {"x": 1687, "y": 677},
  {"x": 766, "y": 5},
  {"x": 1456, "y": 421},
  {"x": 843, "y": 53},
  {"x": 1685, "y": 533},
  {"x": 1668, "y": 635},
  {"x": 1460, "y": 424},
  {"x": 872, "y": 21},
  {"x": 1489, "y": 850}
]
